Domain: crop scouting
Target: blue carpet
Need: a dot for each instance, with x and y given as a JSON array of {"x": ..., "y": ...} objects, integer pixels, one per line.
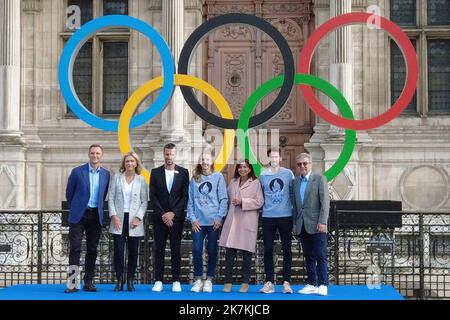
[{"x": 143, "y": 292}]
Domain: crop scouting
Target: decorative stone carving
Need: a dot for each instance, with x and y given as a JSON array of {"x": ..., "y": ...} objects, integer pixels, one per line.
[
  {"x": 8, "y": 186},
  {"x": 193, "y": 4},
  {"x": 278, "y": 68},
  {"x": 286, "y": 112},
  {"x": 188, "y": 4},
  {"x": 31, "y": 5},
  {"x": 284, "y": 8},
  {"x": 360, "y": 3},
  {"x": 425, "y": 187},
  {"x": 344, "y": 185},
  {"x": 232, "y": 8},
  {"x": 234, "y": 32},
  {"x": 235, "y": 82},
  {"x": 288, "y": 28},
  {"x": 277, "y": 64},
  {"x": 154, "y": 5}
]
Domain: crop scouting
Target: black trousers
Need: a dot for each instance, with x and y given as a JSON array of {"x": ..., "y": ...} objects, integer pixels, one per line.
[
  {"x": 119, "y": 248},
  {"x": 90, "y": 225},
  {"x": 270, "y": 227},
  {"x": 230, "y": 257},
  {"x": 161, "y": 233}
]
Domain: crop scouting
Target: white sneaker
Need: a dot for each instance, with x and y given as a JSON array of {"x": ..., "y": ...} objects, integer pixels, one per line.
[
  {"x": 158, "y": 286},
  {"x": 268, "y": 288},
  {"x": 322, "y": 291},
  {"x": 287, "y": 287},
  {"x": 176, "y": 287},
  {"x": 198, "y": 285},
  {"x": 208, "y": 286},
  {"x": 308, "y": 289}
]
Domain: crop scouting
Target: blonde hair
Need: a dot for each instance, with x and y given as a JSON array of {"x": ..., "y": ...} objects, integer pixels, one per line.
[
  {"x": 197, "y": 172},
  {"x": 138, "y": 168}
]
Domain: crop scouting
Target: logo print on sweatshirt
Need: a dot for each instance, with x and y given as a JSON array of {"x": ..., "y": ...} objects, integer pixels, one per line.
[
  {"x": 204, "y": 189},
  {"x": 276, "y": 186}
]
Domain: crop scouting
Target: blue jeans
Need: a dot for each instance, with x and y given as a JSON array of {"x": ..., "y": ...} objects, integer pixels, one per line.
[
  {"x": 316, "y": 260},
  {"x": 198, "y": 239}
]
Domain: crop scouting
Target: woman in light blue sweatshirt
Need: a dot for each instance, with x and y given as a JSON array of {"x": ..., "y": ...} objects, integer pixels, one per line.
[{"x": 207, "y": 206}]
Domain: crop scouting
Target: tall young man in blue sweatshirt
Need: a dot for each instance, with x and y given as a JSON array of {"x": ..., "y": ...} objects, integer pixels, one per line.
[
  {"x": 207, "y": 206},
  {"x": 277, "y": 183}
]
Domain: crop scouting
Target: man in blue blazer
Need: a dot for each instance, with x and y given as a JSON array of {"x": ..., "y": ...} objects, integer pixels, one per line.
[
  {"x": 86, "y": 191},
  {"x": 311, "y": 209}
]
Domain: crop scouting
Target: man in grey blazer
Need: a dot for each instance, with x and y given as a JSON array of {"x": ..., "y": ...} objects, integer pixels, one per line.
[{"x": 311, "y": 209}]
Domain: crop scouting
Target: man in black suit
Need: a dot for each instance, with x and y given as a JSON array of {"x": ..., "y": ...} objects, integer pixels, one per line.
[{"x": 168, "y": 198}]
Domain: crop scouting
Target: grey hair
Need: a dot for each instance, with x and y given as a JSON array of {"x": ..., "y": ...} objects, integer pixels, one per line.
[{"x": 303, "y": 155}]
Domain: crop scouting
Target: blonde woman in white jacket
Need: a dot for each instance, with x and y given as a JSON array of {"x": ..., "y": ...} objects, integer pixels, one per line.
[{"x": 127, "y": 202}]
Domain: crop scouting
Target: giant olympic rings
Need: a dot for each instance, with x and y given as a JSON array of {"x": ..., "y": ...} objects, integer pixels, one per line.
[
  {"x": 245, "y": 121},
  {"x": 180, "y": 80},
  {"x": 271, "y": 31},
  {"x": 318, "y": 83},
  {"x": 74, "y": 45},
  {"x": 405, "y": 46}
]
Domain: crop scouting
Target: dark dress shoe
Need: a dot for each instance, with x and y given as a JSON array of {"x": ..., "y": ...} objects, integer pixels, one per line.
[
  {"x": 130, "y": 285},
  {"x": 72, "y": 290},
  {"x": 119, "y": 285},
  {"x": 89, "y": 286}
]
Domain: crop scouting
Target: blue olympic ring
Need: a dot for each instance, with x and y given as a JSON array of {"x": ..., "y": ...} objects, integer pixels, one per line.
[{"x": 74, "y": 45}]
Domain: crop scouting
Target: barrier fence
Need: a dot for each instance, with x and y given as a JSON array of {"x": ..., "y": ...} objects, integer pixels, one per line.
[{"x": 414, "y": 258}]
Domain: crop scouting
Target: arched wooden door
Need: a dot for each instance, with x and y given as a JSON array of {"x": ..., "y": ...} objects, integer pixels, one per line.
[{"x": 239, "y": 58}]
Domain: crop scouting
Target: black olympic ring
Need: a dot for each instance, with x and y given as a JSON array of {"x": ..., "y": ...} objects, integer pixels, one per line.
[{"x": 271, "y": 31}]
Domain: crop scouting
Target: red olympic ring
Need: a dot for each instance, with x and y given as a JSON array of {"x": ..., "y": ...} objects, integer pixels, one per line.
[{"x": 405, "y": 46}]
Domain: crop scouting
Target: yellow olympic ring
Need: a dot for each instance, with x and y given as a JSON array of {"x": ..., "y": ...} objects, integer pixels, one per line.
[{"x": 180, "y": 79}]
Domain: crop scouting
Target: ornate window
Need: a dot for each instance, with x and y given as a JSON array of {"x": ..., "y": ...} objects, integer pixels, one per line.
[
  {"x": 403, "y": 12},
  {"x": 100, "y": 72},
  {"x": 398, "y": 76},
  {"x": 115, "y": 76},
  {"x": 427, "y": 23},
  {"x": 82, "y": 75}
]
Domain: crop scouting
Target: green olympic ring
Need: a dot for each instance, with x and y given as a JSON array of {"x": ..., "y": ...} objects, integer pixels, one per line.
[{"x": 275, "y": 83}]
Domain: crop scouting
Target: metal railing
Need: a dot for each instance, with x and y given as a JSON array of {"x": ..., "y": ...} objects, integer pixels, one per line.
[{"x": 414, "y": 258}]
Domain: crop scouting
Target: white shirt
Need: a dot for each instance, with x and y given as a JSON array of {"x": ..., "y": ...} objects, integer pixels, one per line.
[
  {"x": 127, "y": 195},
  {"x": 170, "y": 174}
]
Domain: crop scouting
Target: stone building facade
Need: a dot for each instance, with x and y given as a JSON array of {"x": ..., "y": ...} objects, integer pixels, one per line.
[{"x": 41, "y": 141}]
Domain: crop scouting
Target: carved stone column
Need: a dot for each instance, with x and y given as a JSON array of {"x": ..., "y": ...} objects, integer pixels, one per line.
[
  {"x": 327, "y": 141},
  {"x": 341, "y": 73},
  {"x": 172, "y": 126},
  {"x": 9, "y": 70},
  {"x": 341, "y": 49},
  {"x": 12, "y": 150}
]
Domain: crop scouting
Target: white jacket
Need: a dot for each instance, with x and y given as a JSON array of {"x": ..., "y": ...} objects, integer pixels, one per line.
[{"x": 138, "y": 205}]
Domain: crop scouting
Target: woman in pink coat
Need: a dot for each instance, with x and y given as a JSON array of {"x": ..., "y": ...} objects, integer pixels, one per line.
[{"x": 240, "y": 228}]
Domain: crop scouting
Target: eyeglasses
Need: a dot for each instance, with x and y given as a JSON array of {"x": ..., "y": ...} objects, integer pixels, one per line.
[{"x": 303, "y": 164}]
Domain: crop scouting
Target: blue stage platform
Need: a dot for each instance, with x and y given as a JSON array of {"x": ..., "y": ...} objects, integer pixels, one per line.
[{"x": 143, "y": 292}]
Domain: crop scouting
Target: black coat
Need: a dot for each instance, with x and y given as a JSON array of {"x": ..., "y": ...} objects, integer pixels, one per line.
[{"x": 161, "y": 201}]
